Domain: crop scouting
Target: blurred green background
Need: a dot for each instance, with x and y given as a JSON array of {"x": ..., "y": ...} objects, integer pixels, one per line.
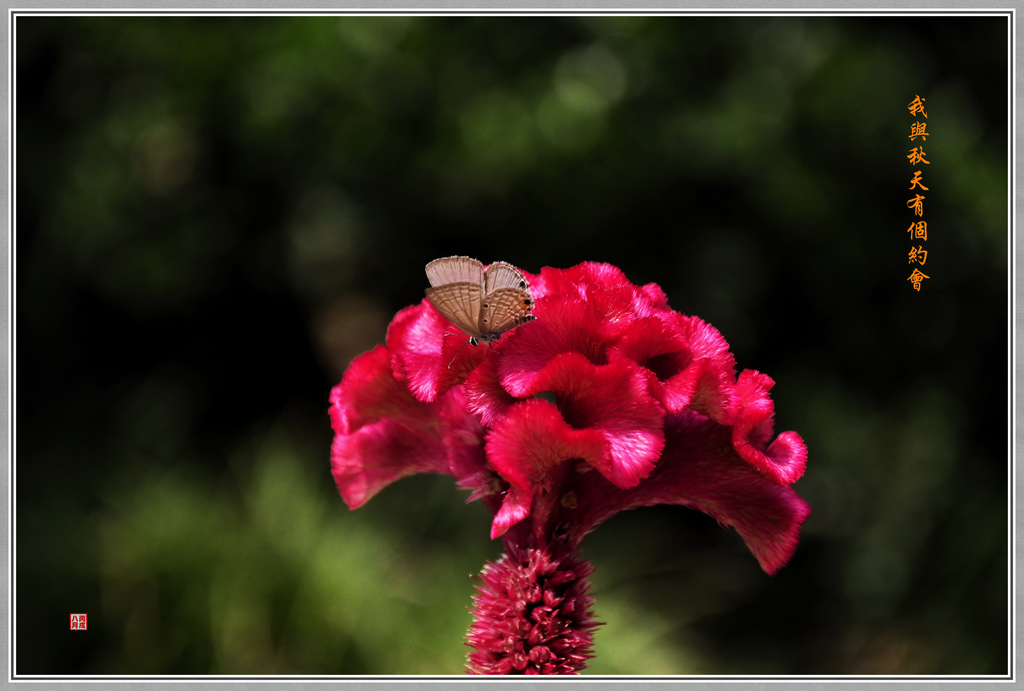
[{"x": 215, "y": 214}]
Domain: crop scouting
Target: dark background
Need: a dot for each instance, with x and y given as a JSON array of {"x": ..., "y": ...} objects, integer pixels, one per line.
[{"x": 214, "y": 215}]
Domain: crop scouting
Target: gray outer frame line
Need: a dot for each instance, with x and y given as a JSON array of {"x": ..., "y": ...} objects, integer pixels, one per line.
[{"x": 594, "y": 683}]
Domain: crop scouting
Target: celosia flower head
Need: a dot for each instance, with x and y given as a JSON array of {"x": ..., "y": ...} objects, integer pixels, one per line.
[
  {"x": 533, "y": 616},
  {"x": 609, "y": 400}
]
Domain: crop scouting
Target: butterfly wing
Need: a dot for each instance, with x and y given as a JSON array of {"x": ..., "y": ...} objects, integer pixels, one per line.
[
  {"x": 459, "y": 303},
  {"x": 455, "y": 270},
  {"x": 503, "y": 275},
  {"x": 503, "y": 309}
]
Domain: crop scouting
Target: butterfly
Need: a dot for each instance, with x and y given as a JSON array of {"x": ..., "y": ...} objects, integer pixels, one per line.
[{"x": 483, "y": 304}]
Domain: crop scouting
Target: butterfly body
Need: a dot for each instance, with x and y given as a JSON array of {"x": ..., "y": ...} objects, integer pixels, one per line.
[{"x": 482, "y": 304}]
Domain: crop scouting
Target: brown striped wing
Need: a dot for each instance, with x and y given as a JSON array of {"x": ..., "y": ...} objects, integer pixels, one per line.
[
  {"x": 503, "y": 309},
  {"x": 441, "y": 272},
  {"x": 503, "y": 275},
  {"x": 460, "y": 304}
]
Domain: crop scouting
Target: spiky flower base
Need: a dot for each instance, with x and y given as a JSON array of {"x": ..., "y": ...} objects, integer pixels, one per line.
[{"x": 532, "y": 616}]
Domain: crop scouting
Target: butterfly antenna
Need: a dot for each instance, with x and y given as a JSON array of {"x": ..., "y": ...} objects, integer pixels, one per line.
[{"x": 457, "y": 354}]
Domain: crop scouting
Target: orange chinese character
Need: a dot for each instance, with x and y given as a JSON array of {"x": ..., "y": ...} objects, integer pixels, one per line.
[
  {"x": 917, "y": 204},
  {"x": 917, "y": 106},
  {"x": 917, "y": 130},
  {"x": 918, "y": 254},
  {"x": 916, "y": 278},
  {"x": 917, "y": 156},
  {"x": 918, "y": 231},
  {"x": 916, "y": 182}
]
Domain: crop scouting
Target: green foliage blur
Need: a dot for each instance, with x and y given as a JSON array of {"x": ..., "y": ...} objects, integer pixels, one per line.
[{"x": 214, "y": 215}]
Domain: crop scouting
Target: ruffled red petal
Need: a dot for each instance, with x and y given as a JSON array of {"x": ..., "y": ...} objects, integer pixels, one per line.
[
  {"x": 382, "y": 433},
  {"x": 565, "y": 324},
  {"x": 655, "y": 296},
  {"x": 464, "y": 439},
  {"x": 785, "y": 459},
  {"x": 423, "y": 345},
  {"x": 485, "y": 395},
  {"x": 610, "y": 400},
  {"x": 689, "y": 360},
  {"x": 603, "y": 416},
  {"x": 607, "y": 290},
  {"x": 526, "y": 447},
  {"x": 701, "y": 470}
]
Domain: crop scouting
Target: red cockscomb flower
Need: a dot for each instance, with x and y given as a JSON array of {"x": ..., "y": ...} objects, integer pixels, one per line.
[{"x": 608, "y": 401}]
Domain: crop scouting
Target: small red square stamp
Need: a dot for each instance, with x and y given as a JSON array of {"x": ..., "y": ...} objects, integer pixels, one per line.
[{"x": 79, "y": 622}]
